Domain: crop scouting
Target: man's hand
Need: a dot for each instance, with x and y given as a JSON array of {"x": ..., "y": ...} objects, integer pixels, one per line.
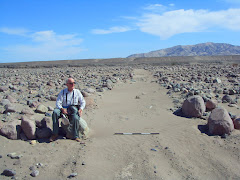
[
  {"x": 64, "y": 111},
  {"x": 80, "y": 112}
]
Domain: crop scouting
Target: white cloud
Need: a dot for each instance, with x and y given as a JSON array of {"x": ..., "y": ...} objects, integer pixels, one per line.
[
  {"x": 156, "y": 8},
  {"x": 153, "y": 6},
  {"x": 46, "y": 45},
  {"x": 116, "y": 29},
  {"x": 175, "y": 22},
  {"x": 14, "y": 31}
]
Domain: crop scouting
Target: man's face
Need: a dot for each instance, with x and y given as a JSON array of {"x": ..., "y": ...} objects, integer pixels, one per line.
[{"x": 70, "y": 84}]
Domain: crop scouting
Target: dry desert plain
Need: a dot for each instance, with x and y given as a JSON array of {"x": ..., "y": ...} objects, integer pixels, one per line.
[{"x": 123, "y": 99}]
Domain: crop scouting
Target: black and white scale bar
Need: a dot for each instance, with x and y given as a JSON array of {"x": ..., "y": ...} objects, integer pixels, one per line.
[{"x": 135, "y": 133}]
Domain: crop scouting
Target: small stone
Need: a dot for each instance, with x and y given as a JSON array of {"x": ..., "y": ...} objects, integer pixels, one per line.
[
  {"x": 17, "y": 162},
  {"x": 32, "y": 168},
  {"x": 72, "y": 175},
  {"x": 83, "y": 163},
  {"x": 226, "y": 98},
  {"x": 166, "y": 147},
  {"x": 224, "y": 136},
  {"x": 232, "y": 105},
  {"x": 153, "y": 149},
  {"x": 53, "y": 98},
  {"x": 155, "y": 171},
  {"x": 33, "y": 142},
  {"x": 34, "y": 173},
  {"x": 14, "y": 155},
  {"x": 0, "y": 156},
  {"x": 39, "y": 165},
  {"x": 137, "y": 97},
  {"x": 8, "y": 172}
]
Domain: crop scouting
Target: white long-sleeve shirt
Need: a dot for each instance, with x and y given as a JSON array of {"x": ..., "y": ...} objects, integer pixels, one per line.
[{"x": 66, "y": 98}]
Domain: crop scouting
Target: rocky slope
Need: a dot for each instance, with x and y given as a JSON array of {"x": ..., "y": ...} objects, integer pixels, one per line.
[{"x": 204, "y": 49}]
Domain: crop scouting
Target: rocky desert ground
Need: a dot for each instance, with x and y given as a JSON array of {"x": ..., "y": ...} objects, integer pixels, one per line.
[{"x": 194, "y": 107}]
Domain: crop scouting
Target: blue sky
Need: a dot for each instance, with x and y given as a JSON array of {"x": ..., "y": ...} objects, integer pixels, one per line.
[{"x": 43, "y": 30}]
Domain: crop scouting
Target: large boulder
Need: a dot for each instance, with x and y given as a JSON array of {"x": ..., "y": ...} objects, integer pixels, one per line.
[
  {"x": 11, "y": 129},
  {"x": 43, "y": 133},
  {"x": 28, "y": 127},
  {"x": 42, "y": 109},
  {"x": 219, "y": 122},
  {"x": 193, "y": 106}
]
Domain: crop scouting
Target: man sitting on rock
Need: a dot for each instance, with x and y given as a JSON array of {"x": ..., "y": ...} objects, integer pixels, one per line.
[{"x": 70, "y": 102}]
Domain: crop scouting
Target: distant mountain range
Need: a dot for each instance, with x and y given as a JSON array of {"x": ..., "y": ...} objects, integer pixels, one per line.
[{"x": 203, "y": 49}]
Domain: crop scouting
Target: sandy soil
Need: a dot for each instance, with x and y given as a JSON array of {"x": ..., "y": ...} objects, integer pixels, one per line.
[{"x": 180, "y": 151}]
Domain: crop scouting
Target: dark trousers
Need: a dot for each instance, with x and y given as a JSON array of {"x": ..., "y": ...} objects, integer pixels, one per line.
[{"x": 73, "y": 117}]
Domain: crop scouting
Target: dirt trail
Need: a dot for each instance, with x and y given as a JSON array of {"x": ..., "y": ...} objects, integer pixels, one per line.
[{"x": 181, "y": 150}]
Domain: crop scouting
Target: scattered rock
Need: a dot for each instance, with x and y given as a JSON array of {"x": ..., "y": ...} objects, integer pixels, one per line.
[
  {"x": 211, "y": 104},
  {"x": 219, "y": 122},
  {"x": 237, "y": 123},
  {"x": 53, "y": 98},
  {"x": 72, "y": 175},
  {"x": 33, "y": 104},
  {"x": 232, "y": 105},
  {"x": 41, "y": 109},
  {"x": 9, "y": 108},
  {"x": 14, "y": 155},
  {"x": 137, "y": 97},
  {"x": 34, "y": 173},
  {"x": 193, "y": 106},
  {"x": 217, "y": 80},
  {"x": 226, "y": 98},
  {"x": 90, "y": 90},
  {"x": 8, "y": 172},
  {"x": 3, "y": 88},
  {"x": 27, "y": 111},
  {"x": 33, "y": 142}
]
